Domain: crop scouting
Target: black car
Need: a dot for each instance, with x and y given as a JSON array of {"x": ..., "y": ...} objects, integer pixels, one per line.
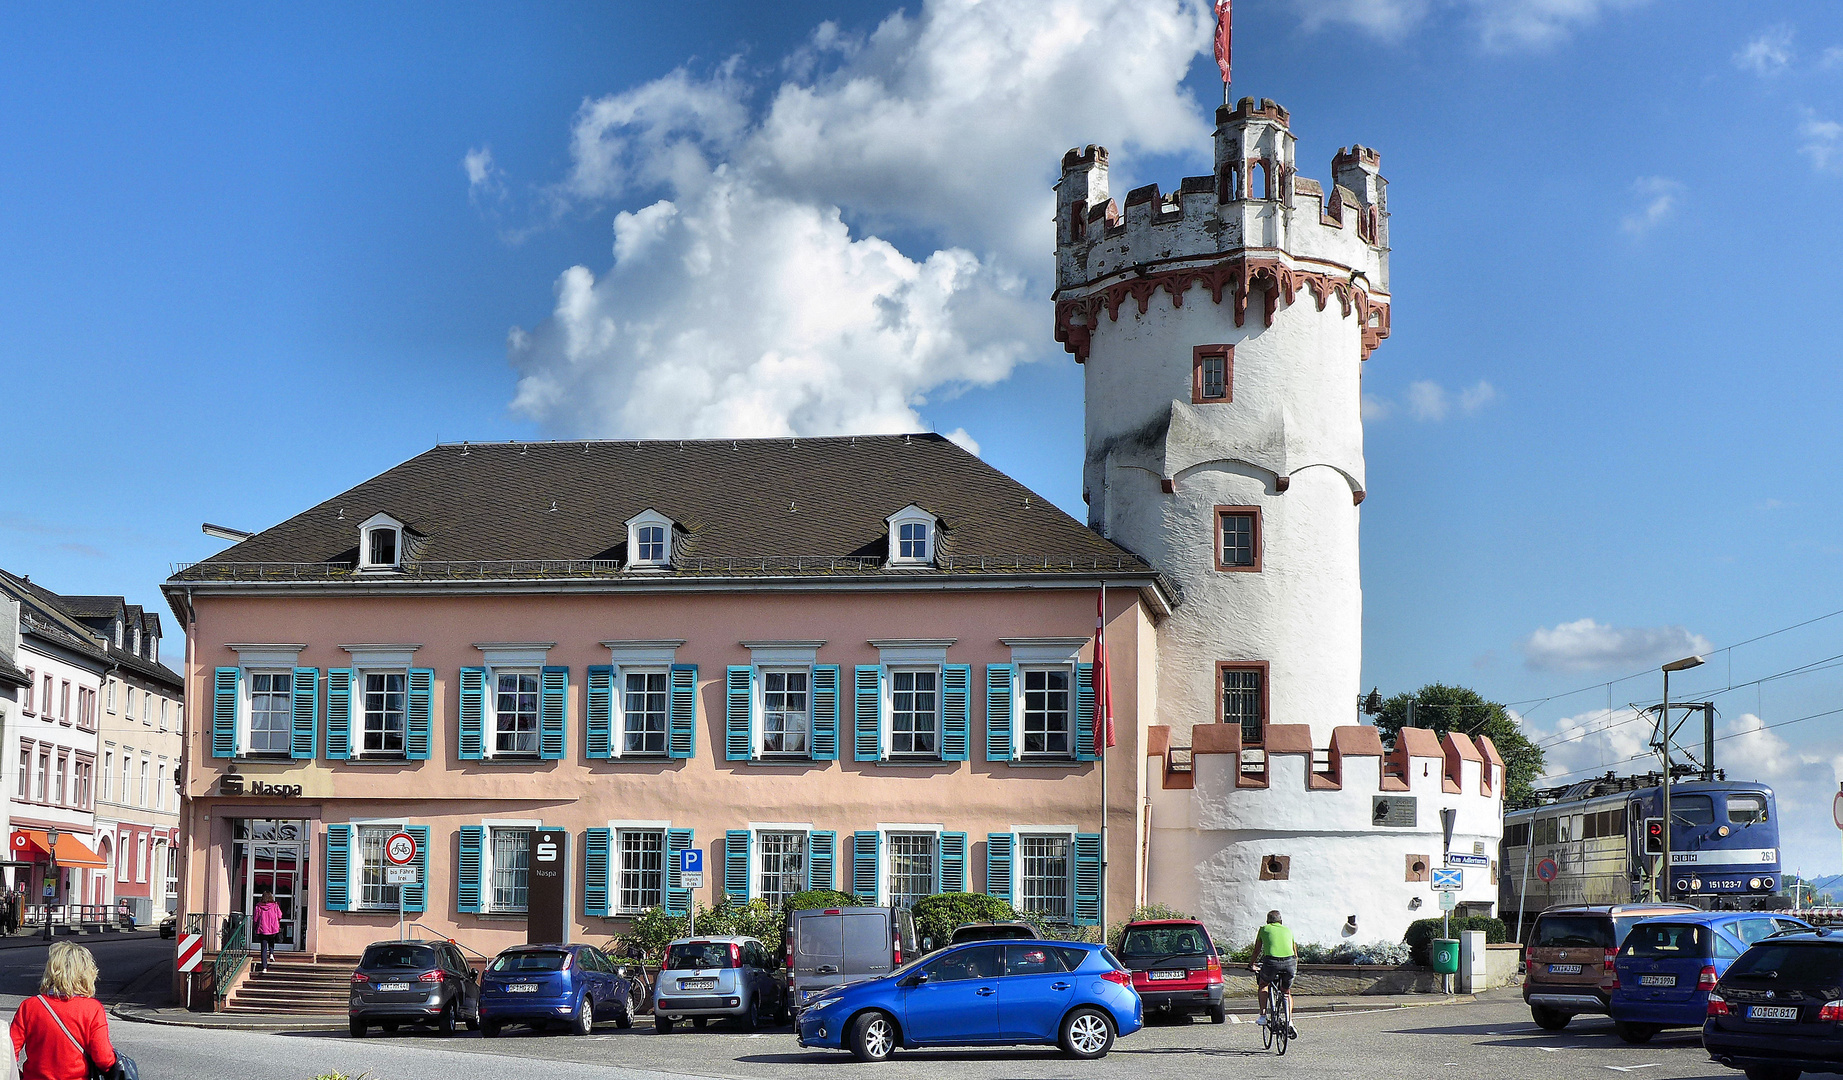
[
  {"x": 1779, "y": 1009},
  {"x": 414, "y": 982}
]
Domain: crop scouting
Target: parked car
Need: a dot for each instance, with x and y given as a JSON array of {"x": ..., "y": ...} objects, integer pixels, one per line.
[
  {"x": 1668, "y": 965},
  {"x": 988, "y": 994},
  {"x": 414, "y": 982},
  {"x": 169, "y": 926},
  {"x": 718, "y": 978},
  {"x": 828, "y": 947},
  {"x": 967, "y": 933},
  {"x": 1175, "y": 967},
  {"x": 1778, "y": 1010},
  {"x": 541, "y": 985},
  {"x": 1568, "y": 969}
]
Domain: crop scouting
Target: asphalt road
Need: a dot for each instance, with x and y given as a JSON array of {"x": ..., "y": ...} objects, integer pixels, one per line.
[
  {"x": 1489, "y": 1040},
  {"x": 123, "y": 963}
]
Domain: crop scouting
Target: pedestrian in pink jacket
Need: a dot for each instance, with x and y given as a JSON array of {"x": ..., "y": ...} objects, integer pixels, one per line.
[{"x": 268, "y": 919}]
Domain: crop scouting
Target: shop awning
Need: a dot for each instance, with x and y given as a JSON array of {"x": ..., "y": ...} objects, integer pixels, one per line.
[{"x": 33, "y": 844}]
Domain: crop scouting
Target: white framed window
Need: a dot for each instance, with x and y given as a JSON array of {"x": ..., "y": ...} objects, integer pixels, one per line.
[
  {"x": 649, "y": 540},
  {"x": 511, "y": 868},
  {"x": 44, "y": 773},
  {"x": 639, "y": 865},
  {"x": 912, "y": 536},
  {"x": 58, "y": 791},
  {"x": 271, "y": 713},
  {"x": 131, "y": 702},
  {"x": 111, "y": 695},
  {"x": 147, "y": 707},
  {"x": 915, "y": 712},
  {"x": 106, "y": 793},
  {"x": 383, "y": 697},
  {"x": 146, "y": 769},
  {"x": 780, "y": 860},
  {"x": 1047, "y": 724},
  {"x": 1045, "y": 874},
  {"x": 164, "y": 704},
  {"x": 786, "y": 712},
  {"x": 380, "y": 543},
  {"x": 644, "y": 700},
  {"x": 124, "y": 856},
  {"x": 159, "y": 786},
  {"x": 25, "y": 771},
  {"x": 913, "y": 865},
  {"x": 369, "y": 864},
  {"x": 141, "y": 853},
  {"x": 515, "y": 713}
]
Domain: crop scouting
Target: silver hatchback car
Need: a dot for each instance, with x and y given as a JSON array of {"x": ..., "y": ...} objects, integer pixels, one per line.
[{"x": 718, "y": 977}]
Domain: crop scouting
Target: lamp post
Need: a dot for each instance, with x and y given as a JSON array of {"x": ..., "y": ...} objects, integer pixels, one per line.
[
  {"x": 1663, "y": 871},
  {"x": 51, "y": 877}
]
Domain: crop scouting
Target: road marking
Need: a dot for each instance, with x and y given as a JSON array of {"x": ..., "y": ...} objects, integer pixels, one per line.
[{"x": 1631, "y": 1068}]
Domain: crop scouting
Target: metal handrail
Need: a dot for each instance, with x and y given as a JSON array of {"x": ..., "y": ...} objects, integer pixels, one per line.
[
  {"x": 78, "y": 915},
  {"x": 500, "y": 569},
  {"x": 233, "y": 953}
]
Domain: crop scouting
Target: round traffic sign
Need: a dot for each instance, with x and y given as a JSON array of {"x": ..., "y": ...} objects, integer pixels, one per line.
[
  {"x": 1836, "y": 809},
  {"x": 1546, "y": 869},
  {"x": 400, "y": 849}
]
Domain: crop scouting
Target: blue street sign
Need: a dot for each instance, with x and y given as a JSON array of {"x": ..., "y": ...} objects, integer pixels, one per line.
[
  {"x": 693, "y": 860},
  {"x": 1457, "y": 859},
  {"x": 1449, "y": 880}
]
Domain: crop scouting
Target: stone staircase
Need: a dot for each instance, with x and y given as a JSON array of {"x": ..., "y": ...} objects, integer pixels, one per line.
[{"x": 294, "y": 984}]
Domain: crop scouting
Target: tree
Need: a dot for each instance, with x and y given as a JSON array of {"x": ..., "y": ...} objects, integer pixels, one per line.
[{"x": 1441, "y": 708}]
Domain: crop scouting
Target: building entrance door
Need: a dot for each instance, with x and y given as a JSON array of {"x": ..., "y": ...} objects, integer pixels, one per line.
[{"x": 272, "y": 856}]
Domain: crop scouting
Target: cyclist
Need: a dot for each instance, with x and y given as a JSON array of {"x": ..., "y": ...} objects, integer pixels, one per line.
[{"x": 1275, "y": 957}]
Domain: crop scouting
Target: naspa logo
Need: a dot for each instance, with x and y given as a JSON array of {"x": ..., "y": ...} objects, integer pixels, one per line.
[{"x": 547, "y": 851}]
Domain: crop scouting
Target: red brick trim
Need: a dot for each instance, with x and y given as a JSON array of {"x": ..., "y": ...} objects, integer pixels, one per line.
[
  {"x": 1216, "y": 531},
  {"x": 1202, "y": 352},
  {"x": 1266, "y": 695}
]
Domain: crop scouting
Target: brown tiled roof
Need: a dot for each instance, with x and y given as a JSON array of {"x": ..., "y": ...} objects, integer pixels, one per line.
[{"x": 807, "y": 507}]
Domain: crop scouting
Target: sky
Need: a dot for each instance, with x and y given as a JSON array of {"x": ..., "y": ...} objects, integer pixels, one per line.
[{"x": 252, "y": 254}]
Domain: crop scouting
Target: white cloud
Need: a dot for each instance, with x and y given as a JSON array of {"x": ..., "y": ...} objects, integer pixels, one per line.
[
  {"x": 1429, "y": 402},
  {"x": 1476, "y": 397},
  {"x": 1823, "y": 141},
  {"x": 1832, "y": 58},
  {"x": 1499, "y": 24},
  {"x": 1767, "y": 54},
  {"x": 740, "y": 302},
  {"x": 1376, "y": 408},
  {"x": 1658, "y": 197},
  {"x": 483, "y": 177},
  {"x": 960, "y": 438},
  {"x": 1585, "y": 645}
]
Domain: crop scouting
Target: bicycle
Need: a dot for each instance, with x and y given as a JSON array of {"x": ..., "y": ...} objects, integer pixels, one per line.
[{"x": 1279, "y": 1018}]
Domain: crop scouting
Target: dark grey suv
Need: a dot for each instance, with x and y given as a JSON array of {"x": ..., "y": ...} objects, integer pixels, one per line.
[{"x": 414, "y": 982}]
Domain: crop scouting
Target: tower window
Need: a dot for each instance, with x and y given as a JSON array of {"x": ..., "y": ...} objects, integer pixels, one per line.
[
  {"x": 1244, "y": 699},
  {"x": 1212, "y": 378},
  {"x": 1238, "y": 538}
]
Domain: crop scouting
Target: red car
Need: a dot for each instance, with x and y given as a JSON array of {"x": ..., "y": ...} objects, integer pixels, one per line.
[{"x": 1175, "y": 967}]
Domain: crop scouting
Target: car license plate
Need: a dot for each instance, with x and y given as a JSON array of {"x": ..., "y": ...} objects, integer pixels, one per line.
[
  {"x": 1771, "y": 1012},
  {"x": 1657, "y": 980},
  {"x": 393, "y": 986},
  {"x": 522, "y": 988},
  {"x": 1167, "y": 974},
  {"x": 697, "y": 984},
  {"x": 1564, "y": 969}
]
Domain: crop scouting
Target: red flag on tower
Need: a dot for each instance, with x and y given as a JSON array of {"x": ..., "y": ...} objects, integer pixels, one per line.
[
  {"x": 1222, "y": 38},
  {"x": 1103, "y": 694}
]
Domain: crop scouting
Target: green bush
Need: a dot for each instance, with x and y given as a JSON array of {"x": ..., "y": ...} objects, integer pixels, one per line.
[
  {"x": 937, "y": 915},
  {"x": 653, "y": 929},
  {"x": 818, "y": 898},
  {"x": 1421, "y": 933}
]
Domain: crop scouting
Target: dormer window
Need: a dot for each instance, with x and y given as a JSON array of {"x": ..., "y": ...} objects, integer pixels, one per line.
[
  {"x": 912, "y": 536},
  {"x": 380, "y": 543},
  {"x": 649, "y": 540}
]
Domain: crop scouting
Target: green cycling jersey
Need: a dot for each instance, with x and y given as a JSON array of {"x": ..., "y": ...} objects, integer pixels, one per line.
[{"x": 1274, "y": 940}]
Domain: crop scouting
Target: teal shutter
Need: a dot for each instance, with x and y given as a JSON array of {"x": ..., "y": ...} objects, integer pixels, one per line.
[
  {"x": 416, "y": 897},
  {"x": 953, "y": 862},
  {"x": 825, "y": 713},
  {"x": 338, "y": 712},
  {"x": 869, "y": 743},
  {"x": 736, "y": 865},
  {"x": 595, "y": 854},
  {"x": 1084, "y": 712},
  {"x": 998, "y": 847},
  {"x": 471, "y": 746},
  {"x": 866, "y": 849},
  {"x": 419, "y": 716},
  {"x": 337, "y": 884},
  {"x": 304, "y": 745},
  {"x": 1087, "y": 879},
  {"x": 682, "y": 715},
  {"x": 553, "y": 697},
  {"x": 598, "y": 735},
  {"x": 956, "y": 708},
  {"x": 738, "y": 713},
  {"x": 821, "y": 860},
  {"x": 678, "y": 898},
  {"x": 223, "y": 712},
  {"x": 998, "y": 696},
  {"x": 467, "y": 869}
]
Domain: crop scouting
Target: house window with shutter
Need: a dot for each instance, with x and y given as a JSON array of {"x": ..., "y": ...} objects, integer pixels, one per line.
[
  {"x": 786, "y": 712},
  {"x": 783, "y": 865},
  {"x": 511, "y": 882},
  {"x": 1046, "y": 711},
  {"x": 384, "y": 710},
  {"x": 271, "y": 713},
  {"x": 640, "y": 869},
  {"x": 372, "y": 892},
  {"x": 644, "y": 699},
  {"x": 915, "y": 712},
  {"x": 912, "y": 867},
  {"x": 1045, "y": 876},
  {"x": 515, "y": 713}
]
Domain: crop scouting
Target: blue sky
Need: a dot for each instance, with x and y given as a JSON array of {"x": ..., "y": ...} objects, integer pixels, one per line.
[{"x": 246, "y": 265}]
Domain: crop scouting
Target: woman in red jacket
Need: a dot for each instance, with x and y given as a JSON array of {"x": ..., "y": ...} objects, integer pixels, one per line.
[{"x": 66, "y": 993}]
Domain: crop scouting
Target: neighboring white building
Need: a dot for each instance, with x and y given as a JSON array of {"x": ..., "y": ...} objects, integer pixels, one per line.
[{"x": 1223, "y": 331}]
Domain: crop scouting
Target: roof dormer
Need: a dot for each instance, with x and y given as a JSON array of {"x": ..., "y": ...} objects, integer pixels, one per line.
[
  {"x": 913, "y": 534},
  {"x": 649, "y": 541},
  {"x": 380, "y": 543}
]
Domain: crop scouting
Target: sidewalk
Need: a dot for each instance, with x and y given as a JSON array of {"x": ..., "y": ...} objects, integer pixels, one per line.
[{"x": 25, "y": 940}]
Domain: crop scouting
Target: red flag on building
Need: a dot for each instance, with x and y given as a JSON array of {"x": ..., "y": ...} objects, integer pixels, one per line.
[
  {"x": 1103, "y": 693},
  {"x": 1222, "y": 38}
]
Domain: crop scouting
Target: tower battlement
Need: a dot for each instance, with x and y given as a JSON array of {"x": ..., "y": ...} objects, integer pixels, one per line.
[{"x": 1253, "y": 223}]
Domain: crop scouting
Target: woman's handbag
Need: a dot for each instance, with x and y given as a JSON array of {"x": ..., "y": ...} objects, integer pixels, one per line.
[{"x": 123, "y": 1069}]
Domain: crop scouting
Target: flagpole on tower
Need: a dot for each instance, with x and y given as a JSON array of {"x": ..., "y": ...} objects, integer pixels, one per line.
[{"x": 1223, "y": 22}]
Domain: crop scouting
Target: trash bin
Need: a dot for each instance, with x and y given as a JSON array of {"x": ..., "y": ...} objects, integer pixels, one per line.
[{"x": 1444, "y": 955}]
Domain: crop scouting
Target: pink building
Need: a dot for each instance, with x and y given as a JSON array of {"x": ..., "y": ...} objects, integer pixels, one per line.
[{"x": 854, "y": 663}]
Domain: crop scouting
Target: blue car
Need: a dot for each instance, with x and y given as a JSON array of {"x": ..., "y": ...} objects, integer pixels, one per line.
[
  {"x": 541, "y": 985},
  {"x": 988, "y": 994},
  {"x": 1668, "y": 965}
]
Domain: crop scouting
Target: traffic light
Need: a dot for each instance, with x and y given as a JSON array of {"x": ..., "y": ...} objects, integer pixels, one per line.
[{"x": 1654, "y": 836}]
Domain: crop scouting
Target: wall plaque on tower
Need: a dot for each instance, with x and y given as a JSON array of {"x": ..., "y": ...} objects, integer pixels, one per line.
[{"x": 1393, "y": 811}]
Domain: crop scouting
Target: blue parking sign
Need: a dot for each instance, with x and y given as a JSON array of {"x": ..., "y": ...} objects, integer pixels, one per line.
[{"x": 693, "y": 860}]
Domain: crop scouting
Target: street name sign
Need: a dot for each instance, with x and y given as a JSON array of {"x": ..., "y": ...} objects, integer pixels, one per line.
[{"x": 1462, "y": 859}]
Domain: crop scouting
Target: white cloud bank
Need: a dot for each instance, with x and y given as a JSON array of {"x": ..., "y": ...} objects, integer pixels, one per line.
[
  {"x": 1499, "y": 24},
  {"x": 1767, "y": 54},
  {"x": 1586, "y": 645},
  {"x": 1658, "y": 198},
  {"x": 1823, "y": 141},
  {"x": 1429, "y": 402},
  {"x": 758, "y": 296}
]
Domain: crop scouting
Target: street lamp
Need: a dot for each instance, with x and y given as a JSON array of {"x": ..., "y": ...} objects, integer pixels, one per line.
[{"x": 1663, "y": 717}]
